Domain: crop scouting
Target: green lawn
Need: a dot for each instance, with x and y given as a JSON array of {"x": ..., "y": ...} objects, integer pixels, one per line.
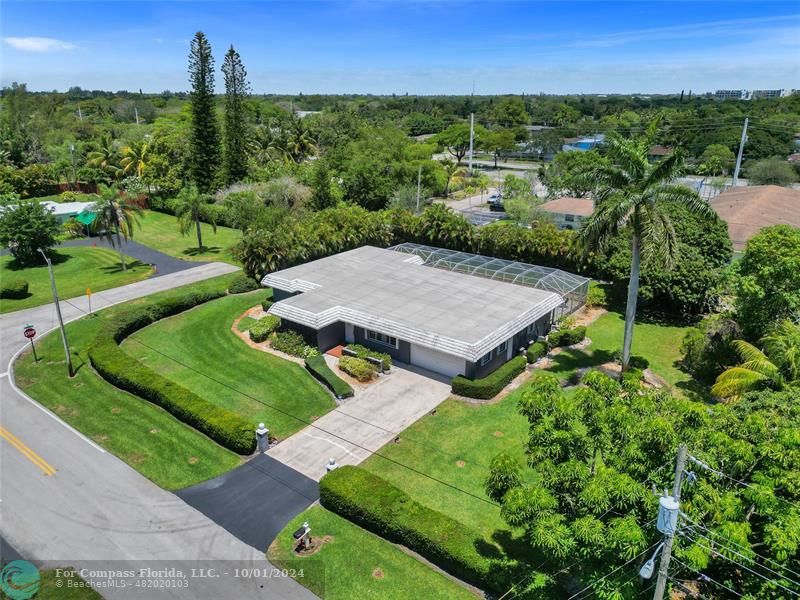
[
  {"x": 75, "y": 269},
  {"x": 219, "y": 366},
  {"x": 354, "y": 563},
  {"x": 160, "y": 231},
  {"x": 65, "y": 587},
  {"x": 148, "y": 438}
]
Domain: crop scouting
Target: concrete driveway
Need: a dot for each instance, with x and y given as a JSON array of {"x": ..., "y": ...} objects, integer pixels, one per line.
[{"x": 359, "y": 427}]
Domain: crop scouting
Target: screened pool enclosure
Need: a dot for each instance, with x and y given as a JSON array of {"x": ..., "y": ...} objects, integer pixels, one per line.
[{"x": 573, "y": 288}]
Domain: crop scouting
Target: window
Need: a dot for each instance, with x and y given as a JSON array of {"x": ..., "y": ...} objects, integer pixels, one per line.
[
  {"x": 530, "y": 329},
  {"x": 485, "y": 359},
  {"x": 382, "y": 338},
  {"x": 501, "y": 349},
  {"x": 569, "y": 218}
]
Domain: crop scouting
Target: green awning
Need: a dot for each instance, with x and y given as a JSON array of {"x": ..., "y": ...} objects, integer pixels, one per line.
[{"x": 86, "y": 217}]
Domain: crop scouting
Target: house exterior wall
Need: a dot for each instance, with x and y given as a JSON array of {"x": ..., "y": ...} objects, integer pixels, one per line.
[
  {"x": 562, "y": 220},
  {"x": 330, "y": 336},
  {"x": 401, "y": 353},
  {"x": 278, "y": 295}
]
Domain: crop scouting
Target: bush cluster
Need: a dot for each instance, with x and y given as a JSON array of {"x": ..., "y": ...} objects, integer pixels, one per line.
[
  {"x": 489, "y": 386},
  {"x": 293, "y": 343},
  {"x": 267, "y": 303},
  {"x": 122, "y": 370},
  {"x": 243, "y": 283},
  {"x": 357, "y": 367},
  {"x": 263, "y": 328},
  {"x": 364, "y": 352},
  {"x": 317, "y": 366},
  {"x": 536, "y": 351},
  {"x": 567, "y": 337},
  {"x": 14, "y": 288},
  {"x": 380, "y": 507}
]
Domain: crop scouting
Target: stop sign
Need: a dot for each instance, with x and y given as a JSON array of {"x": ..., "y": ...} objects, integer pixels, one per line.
[{"x": 29, "y": 332}]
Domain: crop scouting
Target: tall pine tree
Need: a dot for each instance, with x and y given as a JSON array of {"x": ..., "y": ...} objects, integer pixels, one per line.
[
  {"x": 204, "y": 150},
  {"x": 236, "y": 88}
]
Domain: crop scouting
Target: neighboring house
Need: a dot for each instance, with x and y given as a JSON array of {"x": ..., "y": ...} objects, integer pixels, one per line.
[
  {"x": 453, "y": 313},
  {"x": 583, "y": 144},
  {"x": 748, "y": 209},
  {"x": 64, "y": 211},
  {"x": 569, "y": 213},
  {"x": 656, "y": 153},
  {"x": 794, "y": 157}
]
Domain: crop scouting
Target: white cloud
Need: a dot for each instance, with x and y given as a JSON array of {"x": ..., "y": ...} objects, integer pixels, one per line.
[{"x": 38, "y": 44}]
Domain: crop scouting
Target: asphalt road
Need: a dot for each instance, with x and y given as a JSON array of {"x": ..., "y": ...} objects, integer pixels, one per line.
[
  {"x": 164, "y": 263},
  {"x": 64, "y": 501}
]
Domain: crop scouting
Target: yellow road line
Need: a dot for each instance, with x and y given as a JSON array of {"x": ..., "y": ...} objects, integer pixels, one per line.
[{"x": 46, "y": 468}]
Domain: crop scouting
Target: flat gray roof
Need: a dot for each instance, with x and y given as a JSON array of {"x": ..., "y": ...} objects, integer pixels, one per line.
[{"x": 393, "y": 293}]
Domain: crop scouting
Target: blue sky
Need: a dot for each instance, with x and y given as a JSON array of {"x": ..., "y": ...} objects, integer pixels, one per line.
[{"x": 415, "y": 47}]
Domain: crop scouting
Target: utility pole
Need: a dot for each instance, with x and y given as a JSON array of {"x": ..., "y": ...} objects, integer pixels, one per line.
[
  {"x": 72, "y": 156},
  {"x": 739, "y": 155},
  {"x": 663, "y": 567},
  {"x": 419, "y": 185},
  {"x": 471, "y": 138},
  {"x": 58, "y": 311},
  {"x": 136, "y": 113},
  {"x": 80, "y": 114}
]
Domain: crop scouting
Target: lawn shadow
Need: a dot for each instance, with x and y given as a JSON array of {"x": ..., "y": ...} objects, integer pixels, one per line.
[
  {"x": 117, "y": 267},
  {"x": 693, "y": 389},
  {"x": 203, "y": 250},
  {"x": 568, "y": 361},
  {"x": 55, "y": 257}
]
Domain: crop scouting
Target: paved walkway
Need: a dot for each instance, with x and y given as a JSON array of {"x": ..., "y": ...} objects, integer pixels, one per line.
[{"x": 359, "y": 427}]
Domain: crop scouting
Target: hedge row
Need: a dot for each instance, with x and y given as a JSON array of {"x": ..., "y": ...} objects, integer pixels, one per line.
[
  {"x": 263, "y": 328},
  {"x": 14, "y": 289},
  {"x": 317, "y": 366},
  {"x": 387, "y": 511},
  {"x": 364, "y": 352},
  {"x": 357, "y": 367},
  {"x": 567, "y": 337},
  {"x": 125, "y": 372},
  {"x": 489, "y": 386},
  {"x": 242, "y": 284},
  {"x": 293, "y": 343},
  {"x": 536, "y": 351}
]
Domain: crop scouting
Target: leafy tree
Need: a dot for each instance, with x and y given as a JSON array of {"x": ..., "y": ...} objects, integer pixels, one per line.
[
  {"x": 777, "y": 367},
  {"x": 509, "y": 112},
  {"x": 498, "y": 141},
  {"x": 25, "y": 227},
  {"x": 570, "y": 173},
  {"x": 286, "y": 192},
  {"x": 299, "y": 141},
  {"x": 420, "y": 123},
  {"x": 405, "y": 198},
  {"x": 456, "y": 139},
  {"x": 717, "y": 159},
  {"x": 708, "y": 349},
  {"x": 242, "y": 208},
  {"x": 116, "y": 218},
  {"x": 630, "y": 194},
  {"x": 235, "y": 132},
  {"x": 451, "y": 169},
  {"x": 188, "y": 208},
  {"x": 322, "y": 194},
  {"x": 771, "y": 171},
  {"x": 204, "y": 149},
  {"x": 768, "y": 282}
]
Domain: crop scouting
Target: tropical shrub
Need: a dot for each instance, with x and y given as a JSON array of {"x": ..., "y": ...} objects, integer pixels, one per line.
[
  {"x": 14, "y": 288},
  {"x": 567, "y": 337},
  {"x": 597, "y": 295},
  {"x": 292, "y": 343},
  {"x": 536, "y": 351},
  {"x": 378, "y": 506},
  {"x": 357, "y": 367},
  {"x": 364, "y": 352},
  {"x": 708, "y": 349},
  {"x": 263, "y": 328},
  {"x": 491, "y": 385},
  {"x": 242, "y": 284},
  {"x": 317, "y": 366},
  {"x": 266, "y": 304}
]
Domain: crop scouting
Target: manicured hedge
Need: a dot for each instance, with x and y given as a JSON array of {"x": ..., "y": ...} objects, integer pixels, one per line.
[
  {"x": 357, "y": 367},
  {"x": 387, "y": 511},
  {"x": 567, "y": 337},
  {"x": 364, "y": 352},
  {"x": 489, "y": 386},
  {"x": 263, "y": 328},
  {"x": 536, "y": 351},
  {"x": 242, "y": 284},
  {"x": 14, "y": 289},
  {"x": 266, "y": 304},
  {"x": 317, "y": 366},
  {"x": 122, "y": 370},
  {"x": 292, "y": 343}
]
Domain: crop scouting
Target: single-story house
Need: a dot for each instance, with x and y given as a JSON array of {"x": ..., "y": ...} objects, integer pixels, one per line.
[
  {"x": 657, "y": 152},
  {"x": 64, "y": 211},
  {"x": 569, "y": 213},
  {"x": 453, "y": 313},
  {"x": 749, "y": 209},
  {"x": 582, "y": 144}
]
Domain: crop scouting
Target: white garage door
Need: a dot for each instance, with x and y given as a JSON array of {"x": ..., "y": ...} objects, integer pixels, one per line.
[{"x": 436, "y": 361}]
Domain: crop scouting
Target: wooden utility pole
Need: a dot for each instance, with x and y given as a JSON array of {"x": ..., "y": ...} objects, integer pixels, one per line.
[{"x": 666, "y": 554}]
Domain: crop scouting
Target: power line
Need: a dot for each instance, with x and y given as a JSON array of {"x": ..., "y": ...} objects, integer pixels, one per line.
[
  {"x": 610, "y": 573},
  {"x": 687, "y": 590},
  {"x": 704, "y": 577}
]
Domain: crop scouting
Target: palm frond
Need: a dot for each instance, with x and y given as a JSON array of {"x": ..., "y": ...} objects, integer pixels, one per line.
[
  {"x": 782, "y": 345},
  {"x": 680, "y": 194},
  {"x": 659, "y": 240},
  {"x": 736, "y": 381},
  {"x": 754, "y": 359}
]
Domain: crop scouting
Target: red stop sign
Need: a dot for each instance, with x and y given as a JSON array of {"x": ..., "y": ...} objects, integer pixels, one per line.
[{"x": 29, "y": 332}]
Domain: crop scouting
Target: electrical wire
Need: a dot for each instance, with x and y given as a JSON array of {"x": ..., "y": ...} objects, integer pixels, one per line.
[
  {"x": 687, "y": 590},
  {"x": 590, "y": 587},
  {"x": 704, "y": 577}
]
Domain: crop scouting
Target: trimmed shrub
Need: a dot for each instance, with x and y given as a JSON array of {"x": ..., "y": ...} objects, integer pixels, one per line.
[
  {"x": 567, "y": 337},
  {"x": 14, "y": 289},
  {"x": 293, "y": 343},
  {"x": 536, "y": 351},
  {"x": 125, "y": 372},
  {"x": 357, "y": 367},
  {"x": 267, "y": 303},
  {"x": 489, "y": 386},
  {"x": 596, "y": 296},
  {"x": 317, "y": 366},
  {"x": 378, "y": 506},
  {"x": 364, "y": 352},
  {"x": 263, "y": 328},
  {"x": 242, "y": 284}
]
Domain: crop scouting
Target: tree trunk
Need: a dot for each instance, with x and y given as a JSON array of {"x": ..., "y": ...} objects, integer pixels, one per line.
[
  {"x": 630, "y": 307},
  {"x": 121, "y": 254},
  {"x": 199, "y": 235}
]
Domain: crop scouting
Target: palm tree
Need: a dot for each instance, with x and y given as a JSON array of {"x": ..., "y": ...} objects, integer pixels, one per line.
[
  {"x": 300, "y": 144},
  {"x": 778, "y": 366},
  {"x": 630, "y": 195},
  {"x": 115, "y": 218},
  {"x": 190, "y": 203},
  {"x": 450, "y": 169},
  {"x": 134, "y": 158},
  {"x": 105, "y": 157}
]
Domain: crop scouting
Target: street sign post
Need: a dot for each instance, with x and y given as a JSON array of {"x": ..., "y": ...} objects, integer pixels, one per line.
[{"x": 30, "y": 332}]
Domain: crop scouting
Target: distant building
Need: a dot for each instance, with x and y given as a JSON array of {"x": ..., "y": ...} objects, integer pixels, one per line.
[
  {"x": 793, "y": 158},
  {"x": 656, "y": 153},
  {"x": 583, "y": 144},
  {"x": 749, "y": 209},
  {"x": 752, "y": 94},
  {"x": 64, "y": 211},
  {"x": 569, "y": 213},
  {"x": 769, "y": 93},
  {"x": 730, "y": 94}
]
